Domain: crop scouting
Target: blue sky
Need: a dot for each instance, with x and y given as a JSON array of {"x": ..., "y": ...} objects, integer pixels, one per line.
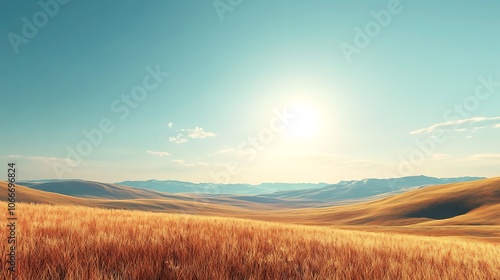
[{"x": 419, "y": 69}]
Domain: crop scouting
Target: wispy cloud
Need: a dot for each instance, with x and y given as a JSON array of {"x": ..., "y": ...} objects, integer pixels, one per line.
[
  {"x": 39, "y": 159},
  {"x": 233, "y": 152},
  {"x": 158, "y": 154},
  {"x": 440, "y": 156},
  {"x": 197, "y": 133},
  {"x": 170, "y": 124},
  {"x": 186, "y": 163},
  {"x": 184, "y": 135},
  {"x": 178, "y": 139},
  {"x": 331, "y": 159},
  {"x": 460, "y": 125},
  {"x": 486, "y": 157}
]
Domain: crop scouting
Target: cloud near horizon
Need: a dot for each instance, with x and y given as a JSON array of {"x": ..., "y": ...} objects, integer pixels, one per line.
[
  {"x": 159, "y": 154},
  {"x": 39, "y": 158},
  {"x": 186, "y": 163},
  {"x": 486, "y": 157},
  {"x": 184, "y": 135},
  {"x": 440, "y": 156},
  {"x": 233, "y": 152},
  {"x": 460, "y": 125}
]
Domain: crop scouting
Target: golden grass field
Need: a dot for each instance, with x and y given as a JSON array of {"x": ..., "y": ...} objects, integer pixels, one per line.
[
  {"x": 72, "y": 242},
  {"x": 391, "y": 238}
]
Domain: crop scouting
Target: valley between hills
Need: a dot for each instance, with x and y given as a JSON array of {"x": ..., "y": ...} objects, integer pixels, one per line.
[{"x": 466, "y": 209}]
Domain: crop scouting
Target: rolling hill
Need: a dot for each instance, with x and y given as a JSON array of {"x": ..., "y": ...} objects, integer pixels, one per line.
[
  {"x": 164, "y": 203},
  {"x": 462, "y": 203},
  {"x": 114, "y": 195},
  {"x": 466, "y": 203},
  {"x": 81, "y": 188},
  {"x": 347, "y": 190},
  {"x": 457, "y": 209},
  {"x": 289, "y": 195}
]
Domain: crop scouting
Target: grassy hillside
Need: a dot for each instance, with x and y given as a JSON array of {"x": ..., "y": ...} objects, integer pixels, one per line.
[
  {"x": 70, "y": 242},
  {"x": 468, "y": 210},
  {"x": 163, "y": 203},
  {"x": 25, "y": 194},
  {"x": 469, "y": 203},
  {"x": 81, "y": 188}
]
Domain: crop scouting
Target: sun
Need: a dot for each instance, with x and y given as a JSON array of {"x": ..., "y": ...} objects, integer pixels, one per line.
[{"x": 305, "y": 124}]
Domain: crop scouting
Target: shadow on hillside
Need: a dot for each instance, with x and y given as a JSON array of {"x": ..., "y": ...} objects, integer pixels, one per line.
[{"x": 440, "y": 211}]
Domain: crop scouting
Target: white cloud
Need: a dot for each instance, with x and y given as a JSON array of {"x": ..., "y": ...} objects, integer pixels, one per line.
[
  {"x": 329, "y": 159},
  {"x": 460, "y": 125},
  {"x": 225, "y": 151},
  {"x": 358, "y": 163},
  {"x": 41, "y": 167},
  {"x": 40, "y": 158},
  {"x": 179, "y": 139},
  {"x": 159, "y": 154},
  {"x": 170, "y": 124},
  {"x": 197, "y": 133},
  {"x": 486, "y": 157},
  {"x": 233, "y": 152},
  {"x": 440, "y": 156},
  {"x": 185, "y": 134},
  {"x": 185, "y": 163}
]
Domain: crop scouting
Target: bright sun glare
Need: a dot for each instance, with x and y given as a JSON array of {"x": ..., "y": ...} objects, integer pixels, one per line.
[{"x": 305, "y": 124}]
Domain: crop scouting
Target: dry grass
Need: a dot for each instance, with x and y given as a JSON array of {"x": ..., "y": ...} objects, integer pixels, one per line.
[{"x": 71, "y": 242}]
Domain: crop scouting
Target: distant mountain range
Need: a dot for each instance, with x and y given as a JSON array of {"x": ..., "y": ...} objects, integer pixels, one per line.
[
  {"x": 461, "y": 203},
  {"x": 271, "y": 194},
  {"x": 346, "y": 190},
  {"x": 170, "y": 186}
]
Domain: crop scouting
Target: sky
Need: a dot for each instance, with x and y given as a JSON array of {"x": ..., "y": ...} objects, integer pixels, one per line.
[{"x": 239, "y": 91}]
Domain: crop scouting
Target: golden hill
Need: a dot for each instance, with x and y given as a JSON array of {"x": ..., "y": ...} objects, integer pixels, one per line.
[
  {"x": 469, "y": 203},
  {"x": 25, "y": 194},
  {"x": 168, "y": 203},
  {"x": 467, "y": 209}
]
